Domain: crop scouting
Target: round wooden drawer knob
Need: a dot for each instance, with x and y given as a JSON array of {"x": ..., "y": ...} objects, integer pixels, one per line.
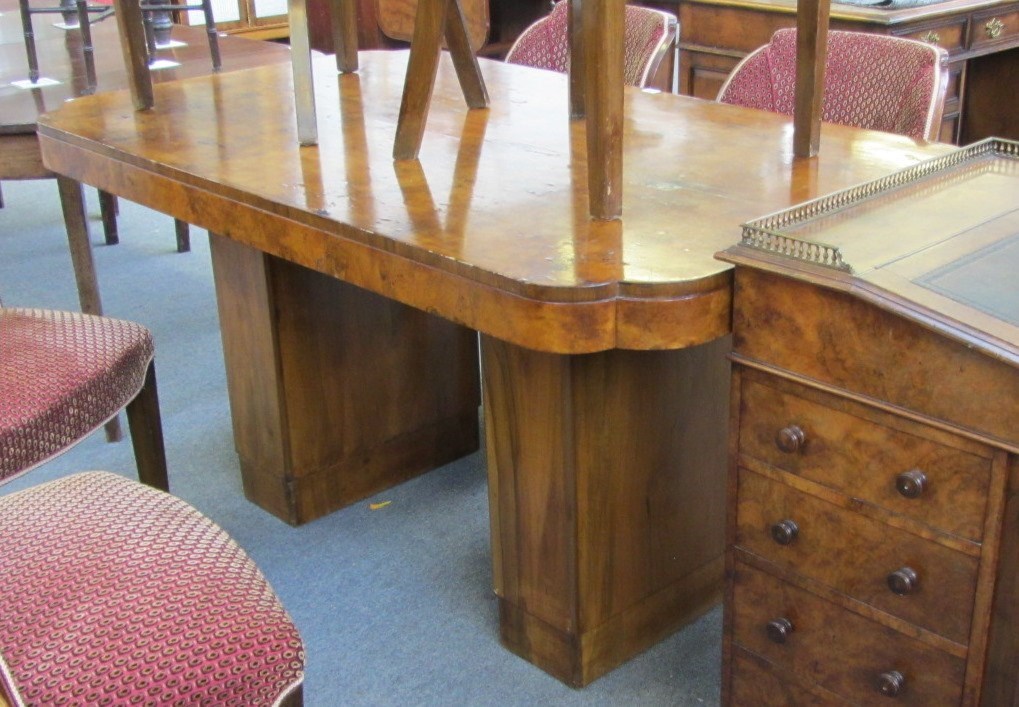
[
  {"x": 790, "y": 439},
  {"x": 903, "y": 581},
  {"x": 911, "y": 484},
  {"x": 779, "y": 630},
  {"x": 784, "y": 531},
  {"x": 891, "y": 683}
]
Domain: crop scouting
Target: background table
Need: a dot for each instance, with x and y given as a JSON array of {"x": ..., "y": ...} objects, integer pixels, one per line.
[
  {"x": 351, "y": 288},
  {"x": 60, "y": 58}
]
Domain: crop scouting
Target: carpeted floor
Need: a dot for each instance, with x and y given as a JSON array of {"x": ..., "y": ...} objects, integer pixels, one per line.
[{"x": 395, "y": 605}]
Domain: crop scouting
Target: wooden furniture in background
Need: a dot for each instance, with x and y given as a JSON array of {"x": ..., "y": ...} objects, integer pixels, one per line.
[
  {"x": 389, "y": 24},
  {"x": 60, "y": 53},
  {"x": 351, "y": 288},
  {"x": 497, "y": 22},
  {"x": 874, "y": 478},
  {"x": 252, "y": 19},
  {"x": 981, "y": 37}
]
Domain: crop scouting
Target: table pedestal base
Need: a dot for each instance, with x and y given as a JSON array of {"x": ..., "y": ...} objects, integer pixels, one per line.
[
  {"x": 607, "y": 484},
  {"x": 336, "y": 393}
]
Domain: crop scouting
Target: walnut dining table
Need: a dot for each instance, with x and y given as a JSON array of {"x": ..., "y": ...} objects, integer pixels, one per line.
[{"x": 352, "y": 290}]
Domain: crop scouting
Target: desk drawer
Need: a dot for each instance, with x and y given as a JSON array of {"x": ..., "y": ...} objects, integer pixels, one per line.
[
  {"x": 991, "y": 29},
  {"x": 856, "y": 451},
  {"x": 949, "y": 35},
  {"x": 858, "y": 556},
  {"x": 834, "y": 648},
  {"x": 756, "y": 682}
]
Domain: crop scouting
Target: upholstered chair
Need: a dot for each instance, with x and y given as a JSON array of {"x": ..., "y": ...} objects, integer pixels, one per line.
[
  {"x": 63, "y": 375},
  {"x": 872, "y": 81},
  {"x": 648, "y": 36},
  {"x": 113, "y": 592}
]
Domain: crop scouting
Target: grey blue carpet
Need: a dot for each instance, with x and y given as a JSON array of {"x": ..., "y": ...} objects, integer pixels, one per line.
[{"x": 395, "y": 605}]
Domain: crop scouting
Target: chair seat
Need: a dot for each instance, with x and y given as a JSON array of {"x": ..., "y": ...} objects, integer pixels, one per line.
[
  {"x": 112, "y": 592},
  {"x": 62, "y": 375}
]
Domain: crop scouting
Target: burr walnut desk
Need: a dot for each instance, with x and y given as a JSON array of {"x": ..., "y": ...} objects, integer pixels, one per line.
[
  {"x": 874, "y": 476},
  {"x": 351, "y": 289}
]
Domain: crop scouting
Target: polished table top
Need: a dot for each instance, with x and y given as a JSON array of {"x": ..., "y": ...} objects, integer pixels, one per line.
[
  {"x": 489, "y": 227},
  {"x": 60, "y": 58}
]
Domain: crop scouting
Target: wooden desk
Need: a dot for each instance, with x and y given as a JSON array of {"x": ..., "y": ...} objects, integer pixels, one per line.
[
  {"x": 351, "y": 287},
  {"x": 875, "y": 470},
  {"x": 716, "y": 34},
  {"x": 60, "y": 58}
]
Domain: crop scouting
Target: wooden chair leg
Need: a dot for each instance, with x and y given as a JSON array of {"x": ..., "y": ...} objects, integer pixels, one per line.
[
  {"x": 294, "y": 699},
  {"x": 212, "y": 34},
  {"x": 88, "y": 50},
  {"x": 29, "y": 34},
  {"x": 108, "y": 209},
  {"x": 147, "y": 434},
  {"x": 425, "y": 46},
  {"x": 133, "y": 45},
  {"x": 72, "y": 202},
  {"x": 183, "y": 235},
  {"x": 304, "y": 81},
  {"x": 344, "y": 25}
]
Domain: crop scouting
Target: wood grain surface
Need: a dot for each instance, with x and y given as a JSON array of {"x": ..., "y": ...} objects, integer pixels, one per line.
[{"x": 511, "y": 252}]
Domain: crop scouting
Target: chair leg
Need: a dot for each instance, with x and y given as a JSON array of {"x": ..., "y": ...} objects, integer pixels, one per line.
[
  {"x": 294, "y": 699},
  {"x": 150, "y": 35},
  {"x": 183, "y": 235},
  {"x": 1, "y": 198},
  {"x": 210, "y": 31},
  {"x": 72, "y": 202},
  {"x": 88, "y": 51},
  {"x": 29, "y": 33},
  {"x": 130, "y": 27},
  {"x": 113, "y": 430},
  {"x": 147, "y": 434},
  {"x": 108, "y": 209}
]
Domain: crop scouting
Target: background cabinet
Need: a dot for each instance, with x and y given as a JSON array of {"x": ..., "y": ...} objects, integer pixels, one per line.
[{"x": 981, "y": 37}]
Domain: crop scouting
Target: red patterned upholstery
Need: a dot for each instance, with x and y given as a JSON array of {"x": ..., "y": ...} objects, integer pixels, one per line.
[
  {"x": 648, "y": 32},
  {"x": 112, "y": 592},
  {"x": 871, "y": 81},
  {"x": 62, "y": 375}
]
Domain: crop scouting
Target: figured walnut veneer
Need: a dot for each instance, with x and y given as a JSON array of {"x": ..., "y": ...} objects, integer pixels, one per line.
[{"x": 874, "y": 394}]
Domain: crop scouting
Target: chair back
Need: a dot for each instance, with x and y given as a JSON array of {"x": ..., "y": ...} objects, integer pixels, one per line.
[
  {"x": 648, "y": 36},
  {"x": 872, "y": 81}
]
